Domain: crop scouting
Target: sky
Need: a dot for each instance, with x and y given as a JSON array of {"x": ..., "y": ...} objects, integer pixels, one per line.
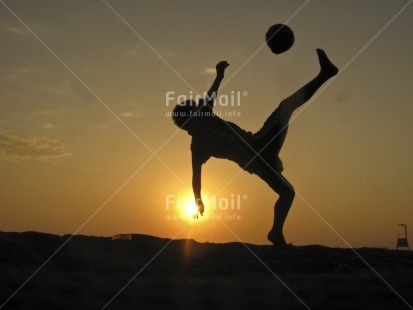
[{"x": 87, "y": 145}]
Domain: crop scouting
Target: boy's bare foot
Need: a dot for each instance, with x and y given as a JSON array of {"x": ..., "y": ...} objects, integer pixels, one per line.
[
  {"x": 276, "y": 238},
  {"x": 328, "y": 69}
]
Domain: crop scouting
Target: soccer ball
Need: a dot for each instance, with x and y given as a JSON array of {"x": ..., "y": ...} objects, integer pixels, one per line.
[{"x": 279, "y": 38}]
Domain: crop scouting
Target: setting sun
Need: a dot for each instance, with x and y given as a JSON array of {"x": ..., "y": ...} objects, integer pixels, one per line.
[
  {"x": 186, "y": 204},
  {"x": 190, "y": 208}
]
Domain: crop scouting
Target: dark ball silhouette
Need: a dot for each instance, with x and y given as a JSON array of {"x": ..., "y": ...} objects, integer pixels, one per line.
[{"x": 279, "y": 38}]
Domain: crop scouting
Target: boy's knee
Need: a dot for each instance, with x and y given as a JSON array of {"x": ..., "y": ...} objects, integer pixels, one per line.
[
  {"x": 284, "y": 104},
  {"x": 286, "y": 107},
  {"x": 283, "y": 189},
  {"x": 288, "y": 193}
]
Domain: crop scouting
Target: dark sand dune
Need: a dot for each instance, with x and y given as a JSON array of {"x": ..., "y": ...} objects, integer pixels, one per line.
[{"x": 89, "y": 271}]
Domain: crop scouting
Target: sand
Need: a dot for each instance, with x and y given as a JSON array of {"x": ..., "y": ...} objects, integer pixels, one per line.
[{"x": 97, "y": 272}]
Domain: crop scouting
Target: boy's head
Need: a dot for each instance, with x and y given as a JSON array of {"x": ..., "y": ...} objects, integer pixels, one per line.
[{"x": 182, "y": 113}]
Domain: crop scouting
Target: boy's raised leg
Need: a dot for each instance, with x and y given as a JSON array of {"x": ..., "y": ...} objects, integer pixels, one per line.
[{"x": 278, "y": 122}]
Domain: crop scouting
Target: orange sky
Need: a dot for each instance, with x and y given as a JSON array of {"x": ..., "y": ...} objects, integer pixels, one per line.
[{"x": 83, "y": 101}]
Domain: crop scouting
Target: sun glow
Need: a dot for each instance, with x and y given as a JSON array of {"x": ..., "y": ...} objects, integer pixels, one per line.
[
  {"x": 187, "y": 206},
  {"x": 190, "y": 208}
]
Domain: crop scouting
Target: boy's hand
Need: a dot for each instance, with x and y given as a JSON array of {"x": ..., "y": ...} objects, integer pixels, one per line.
[
  {"x": 200, "y": 207},
  {"x": 221, "y": 66}
]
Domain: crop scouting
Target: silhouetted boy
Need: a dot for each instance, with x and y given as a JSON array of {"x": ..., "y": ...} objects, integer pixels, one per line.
[{"x": 256, "y": 153}]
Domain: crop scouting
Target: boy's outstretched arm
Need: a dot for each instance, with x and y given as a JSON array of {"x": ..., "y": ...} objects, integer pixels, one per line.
[
  {"x": 196, "y": 184},
  {"x": 212, "y": 92}
]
